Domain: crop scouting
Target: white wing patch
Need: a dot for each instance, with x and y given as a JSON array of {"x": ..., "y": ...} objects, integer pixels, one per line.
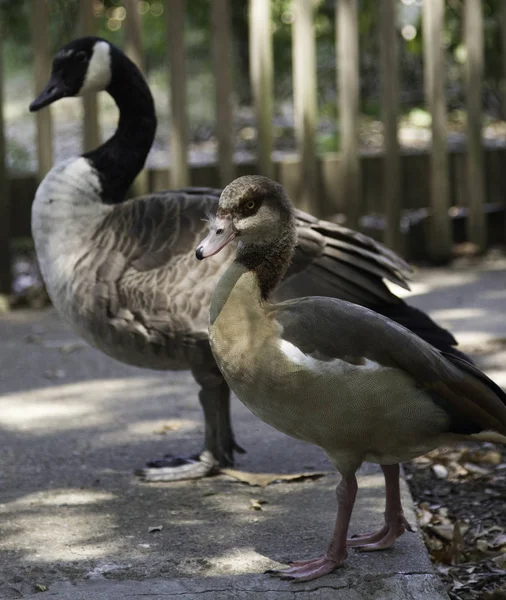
[
  {"x": 297, "y": 357},
  {"x": 98, "y": 75}
]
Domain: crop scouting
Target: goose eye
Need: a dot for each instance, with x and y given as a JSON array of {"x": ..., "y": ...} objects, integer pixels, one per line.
[
  {"x": 250, "y": 205},
  {"x": 81, "y": 57}
]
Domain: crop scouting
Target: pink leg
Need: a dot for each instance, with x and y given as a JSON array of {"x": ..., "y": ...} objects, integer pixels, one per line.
[
  {"x": 336, "y": 553},
  {"x": 395, "y": 522}
]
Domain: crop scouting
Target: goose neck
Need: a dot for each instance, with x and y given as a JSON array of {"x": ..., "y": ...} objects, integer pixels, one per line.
[
  {"x": 269, "y": 260},
  {"x": 120, "y": 159}
]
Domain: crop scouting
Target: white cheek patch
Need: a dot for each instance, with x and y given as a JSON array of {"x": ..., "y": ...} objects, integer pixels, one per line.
[{"x": 98, "y": 75}]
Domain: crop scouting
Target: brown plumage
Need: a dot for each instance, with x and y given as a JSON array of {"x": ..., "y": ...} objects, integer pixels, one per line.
[{"x": 333, "y": 373}]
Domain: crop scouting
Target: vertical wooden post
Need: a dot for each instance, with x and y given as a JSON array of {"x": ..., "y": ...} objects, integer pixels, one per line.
[
  {"x": 261, "y": 73},
  {"x": 133, "y": 33},
  {"x": 221, "y": 47},
  {"x": 439, "y": 236},
  {"x": 41, "y": 70},
  {"x": 91, "y": 127},
  {"x": 390, "y": 113},
  {"x": 503, "y": 58},
  {"x": 5, "y": 256},
  {"x": 305, "y": 104},
  {"x": 133, "y": 49},
  {"x": 179, "y": 173},
  {"x": 349, "y": 88},
  {"x": 473, "y": 34}
]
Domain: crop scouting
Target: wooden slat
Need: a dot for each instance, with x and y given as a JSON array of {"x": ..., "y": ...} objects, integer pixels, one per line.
[
  {"x": 134, "y": 50},
  {"x": 305, "y": 104},
  {"x": 261, "y": 74},
  {"x": 473, "y": 35},
  {"x": 221, "y": 50},
  {"x": 91, "y": 127},
  {"x": 179, "y": 172},
  {"x": 41, "y": 71},
  {"x": 390, "y": 112},
  {"x": 440, "y": 236},
  {"x": 503, "y": 57},
  {"x": 133, "y": 33},
  {"x": 349, "y": 88},
  {"x": 5, "y": 233}
]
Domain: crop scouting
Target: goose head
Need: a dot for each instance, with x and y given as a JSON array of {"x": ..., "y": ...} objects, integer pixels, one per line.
[
  {"x": 83, "y": 65},
  {"x": 253, "y": 209}
]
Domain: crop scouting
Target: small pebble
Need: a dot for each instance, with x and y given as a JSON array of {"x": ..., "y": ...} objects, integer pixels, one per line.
[{"x": 440, "y": 471}]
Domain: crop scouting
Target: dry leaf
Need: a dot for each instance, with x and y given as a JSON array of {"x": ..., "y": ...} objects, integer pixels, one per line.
[
  {"x": 477, "y": 470},
  {"x": 265, "y": 479},
  {"x": 256, "y": 503},
  {"x": 155, "y": 528},
  {"x": 424, "y": 516},
  {"x": 499, "y": 541},
  {"x": 457, "y": 544},
  {"x": 71, "y": 347},
  {"x": 500, "y": 561},
  {"x": 172, "y": 425}
]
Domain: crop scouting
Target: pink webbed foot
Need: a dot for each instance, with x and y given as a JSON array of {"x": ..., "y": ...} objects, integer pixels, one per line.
[
  {"x": 382, "y": 539},
  {"x": 307, "y": 570}
]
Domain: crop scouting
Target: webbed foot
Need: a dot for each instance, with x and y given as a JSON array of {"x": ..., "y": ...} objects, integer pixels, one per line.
[
  {"x": 307, "y": 570},
  {"x": 179, "y": 468}
]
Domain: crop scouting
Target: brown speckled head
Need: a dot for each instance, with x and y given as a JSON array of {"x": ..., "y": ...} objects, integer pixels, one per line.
[
  {"x": 258, "y": 207},
  {"x": 250, "y": 188}
]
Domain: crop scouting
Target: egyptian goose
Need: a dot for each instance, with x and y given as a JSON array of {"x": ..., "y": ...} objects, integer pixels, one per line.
[{"x": 330, "y": 372}]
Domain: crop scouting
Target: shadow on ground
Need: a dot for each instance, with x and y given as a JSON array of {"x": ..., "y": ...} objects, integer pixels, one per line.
[{"x": 75, "y": 425}]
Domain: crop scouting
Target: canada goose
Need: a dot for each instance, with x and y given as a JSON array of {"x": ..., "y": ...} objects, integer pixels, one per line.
[
  {"x": 122, "y": 272},
  {"x": 333, "y": 373}
]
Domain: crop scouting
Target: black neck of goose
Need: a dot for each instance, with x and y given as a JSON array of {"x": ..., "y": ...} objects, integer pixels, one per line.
[
  {"x": 120, "y": 159},
  {"x": 269, "y": 261}
]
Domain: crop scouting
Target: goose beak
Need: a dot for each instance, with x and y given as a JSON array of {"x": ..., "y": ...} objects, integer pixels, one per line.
[
  {"x": 221, "y": 234},
  {"x": 54, "y": 90}
]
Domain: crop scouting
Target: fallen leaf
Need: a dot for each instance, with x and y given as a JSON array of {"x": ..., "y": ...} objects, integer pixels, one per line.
[
  {"x": 500, "y": 561},
  {"x": 499, "y": 541},
  {"x": 173, "y": 425},
  {"x": 155, "y": 528},
  {"x": 40, "y": 587},
  {"x": 499, "y": 594},
  {"x": 265, "y": 479},
  {"x": 424, "y": 516},
  {"x": 476, "y": 469},
  {"x": 457, "y": 544},
  {"x": 256, "y": 504},
  {"x": 71, "y": 347}
]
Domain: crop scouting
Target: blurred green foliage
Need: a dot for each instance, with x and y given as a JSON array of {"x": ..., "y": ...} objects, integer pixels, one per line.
[{"x": 64, "y": 25}]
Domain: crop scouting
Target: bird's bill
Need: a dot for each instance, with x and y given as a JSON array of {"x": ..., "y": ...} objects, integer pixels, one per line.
[
  {"x": 54, "y": 90},
  {"x": 222, "y": 233}
]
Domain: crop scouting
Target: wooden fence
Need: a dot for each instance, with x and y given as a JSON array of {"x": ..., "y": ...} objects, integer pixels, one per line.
[{"x": 333, "y": 183}]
